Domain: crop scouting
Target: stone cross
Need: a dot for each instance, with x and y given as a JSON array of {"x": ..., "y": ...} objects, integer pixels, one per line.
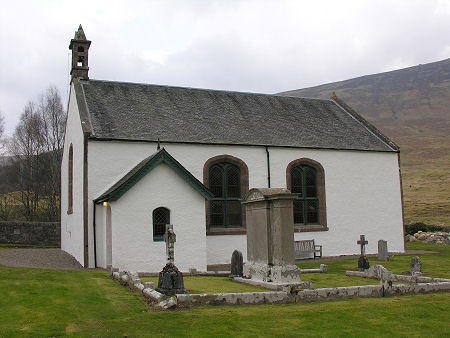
[
  {"x": 170, "y": 238},
  {"x": 362, "y": 242}
]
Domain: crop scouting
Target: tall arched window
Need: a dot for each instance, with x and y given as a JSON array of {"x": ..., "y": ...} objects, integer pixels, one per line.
[
  {"x": 161, "y": 217},
  {"x": 226, "y": 186},
  {"x": 227, "y": 178},
  {"x": 306, "y": 178},
  {"x": 70, "y": 182}
]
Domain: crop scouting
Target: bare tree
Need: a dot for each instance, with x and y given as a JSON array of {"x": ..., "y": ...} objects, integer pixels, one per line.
[
  {"x": 2, "y": 133},
  {"x": 27, "y": 146},
  {"x": 53, "y": 128},
  {"x": 2, "y": 125}
]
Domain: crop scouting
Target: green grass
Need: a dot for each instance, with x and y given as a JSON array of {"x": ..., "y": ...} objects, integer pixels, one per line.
[
  {"x": 206, "y": 284},
  {"x": 42, "y": 303},
  {"x": 433, "y": 265}
]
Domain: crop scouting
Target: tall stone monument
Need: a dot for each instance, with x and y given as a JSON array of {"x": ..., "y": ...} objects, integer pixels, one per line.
[
  {"x": 170, "y": 279},
  {"x": 270, "y": 236}
]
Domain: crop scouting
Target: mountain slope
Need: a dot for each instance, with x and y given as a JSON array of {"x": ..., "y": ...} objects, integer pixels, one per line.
[{"x": 412, "y": 107}]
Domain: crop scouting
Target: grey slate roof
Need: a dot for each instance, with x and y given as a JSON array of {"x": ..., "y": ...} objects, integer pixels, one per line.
[{"x": 129, "y": 111}]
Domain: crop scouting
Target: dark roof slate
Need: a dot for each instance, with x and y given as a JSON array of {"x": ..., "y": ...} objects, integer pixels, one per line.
[
  {"x": 143, "y": 112},
  {"x": 143, "y": 168}
]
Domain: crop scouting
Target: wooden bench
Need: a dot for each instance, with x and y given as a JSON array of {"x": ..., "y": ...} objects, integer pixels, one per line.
[{"x": 304, "y": 249}]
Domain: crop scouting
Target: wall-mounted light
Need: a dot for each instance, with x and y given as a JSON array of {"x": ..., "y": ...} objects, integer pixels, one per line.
[{"x": 105, "y": 204}]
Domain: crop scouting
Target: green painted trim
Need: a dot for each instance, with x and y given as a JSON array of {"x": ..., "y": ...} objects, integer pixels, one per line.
[{"x": 162, "y": 156}]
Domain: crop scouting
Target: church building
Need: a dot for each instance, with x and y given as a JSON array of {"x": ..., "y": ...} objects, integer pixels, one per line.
[{"x": 139, "y": 156}]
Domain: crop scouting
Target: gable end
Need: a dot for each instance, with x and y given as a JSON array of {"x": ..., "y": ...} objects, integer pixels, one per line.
[{"x": 143, "y": 168}]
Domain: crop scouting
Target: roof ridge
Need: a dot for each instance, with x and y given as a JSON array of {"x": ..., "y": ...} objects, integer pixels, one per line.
[{"x": 205, "y": 89}]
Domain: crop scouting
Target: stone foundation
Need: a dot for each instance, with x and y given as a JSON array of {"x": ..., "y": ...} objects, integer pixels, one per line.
[{"x": 275, "y": 273}]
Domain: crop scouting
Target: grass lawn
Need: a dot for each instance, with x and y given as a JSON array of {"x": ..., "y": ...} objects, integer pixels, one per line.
[
  {"x": 201, "y": 284},
  {"x": 37, "y": 302}
]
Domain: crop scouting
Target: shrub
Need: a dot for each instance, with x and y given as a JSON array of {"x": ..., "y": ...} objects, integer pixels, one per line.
[{"x": 411, "y": 229}]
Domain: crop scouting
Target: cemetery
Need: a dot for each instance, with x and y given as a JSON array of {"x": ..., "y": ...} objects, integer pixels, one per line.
[{"x": 271, "y": 265}]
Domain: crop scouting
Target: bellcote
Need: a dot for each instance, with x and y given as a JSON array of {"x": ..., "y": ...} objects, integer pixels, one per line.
[{"x": 80, "y": 48}]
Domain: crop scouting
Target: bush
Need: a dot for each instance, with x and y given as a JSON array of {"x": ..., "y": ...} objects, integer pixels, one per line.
[{"x": 411, "y": 229}]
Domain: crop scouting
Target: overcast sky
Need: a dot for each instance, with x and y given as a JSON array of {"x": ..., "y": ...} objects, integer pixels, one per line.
[{"x": 254, "y": 46}]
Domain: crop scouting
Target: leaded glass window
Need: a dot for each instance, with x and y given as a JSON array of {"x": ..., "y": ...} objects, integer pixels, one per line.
[
  {"x": 70, "y": 182},
  {"x": 306, "y": 206},
  {"x": 225, "y": 184},
  {"x": 161, "y": 217}
]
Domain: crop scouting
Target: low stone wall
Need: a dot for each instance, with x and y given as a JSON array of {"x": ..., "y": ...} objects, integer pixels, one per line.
[
  {"x": 385, "y": 288},
  {"x": 244, "y": 298},
  {"x": 31, "y": 233},
  {"x": 440, "y": 237},
  {"x": 347, "y": 292}
]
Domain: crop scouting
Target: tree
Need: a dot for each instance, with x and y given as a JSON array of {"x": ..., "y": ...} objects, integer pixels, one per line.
[
  {"x": 27, "y": 145},
  {"x": 2, "y": 132},
  {"x": 2, "y": 125},
  {"x": 53, "y": 128}
]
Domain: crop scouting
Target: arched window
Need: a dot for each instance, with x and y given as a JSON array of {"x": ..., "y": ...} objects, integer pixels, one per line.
[
  {"x": 227, "y": 178},
  {"x": 306, "y": 178},
  {"x": 70, "y": 182},
  {"x": 161, "y": 217},
  {"x": 226, "y": 186}
]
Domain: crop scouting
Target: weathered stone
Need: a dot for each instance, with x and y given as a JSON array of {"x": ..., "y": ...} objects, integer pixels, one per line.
[
  {"x": 133, "y": 278},
  {"x": 138, "y": 286},
  {"x": 237, "y": 262},
  {"x": 166, "y": 304},
  {"x": 415, "y": 266},
  {"x": 270, "y": 236},
  {"x": 379, "y": 272},
  {"x": 382, "y": 250},
  {"x": 275, "y": 286},
  {"x": 170, "y": 281},
  {"x": 35, "y": 233},
  {"x": 363, "y": 263},
  {"x": 153, "y": 295},
  {"x": 247, "y": 298},
  {"x": 149, "y": 285}
]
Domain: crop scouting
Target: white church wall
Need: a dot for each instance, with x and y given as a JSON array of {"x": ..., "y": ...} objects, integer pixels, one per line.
[
  {"x": 362, "y": 189},
  {"x": 362, "y": 197},
  {"x": 72, "y": 232},
  {"x": 132, "y": 230},
  {"x": 100, "y": 235},
  {"x": 221, "y": 247}
]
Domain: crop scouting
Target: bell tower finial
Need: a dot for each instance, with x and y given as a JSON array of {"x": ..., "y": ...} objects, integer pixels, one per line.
[{"x": 80, "y": 47}]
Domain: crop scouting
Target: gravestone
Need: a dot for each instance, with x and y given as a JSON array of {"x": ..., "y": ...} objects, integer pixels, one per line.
[
  {"x": 170, "y": 279},
  {"x": 270, "y": 236},
  {"x": 237, "y": 262},
  {"x": 363, "y": 262},
  {"x": 383, "y": 250},
  {"x": 415, "y": 266}
]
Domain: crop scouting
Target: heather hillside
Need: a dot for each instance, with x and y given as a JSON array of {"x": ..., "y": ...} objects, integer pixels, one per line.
[{"x": 412, "y": 107}]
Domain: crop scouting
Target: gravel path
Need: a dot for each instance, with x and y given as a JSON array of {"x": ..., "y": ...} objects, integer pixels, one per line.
[{"x": 39, "y": 258}]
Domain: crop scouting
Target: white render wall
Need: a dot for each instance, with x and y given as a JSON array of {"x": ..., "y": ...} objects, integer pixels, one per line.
[
  {"x": 72, "y": 232},
  {"x": 362, "y": 190},
  {"x": 132, "y": 226}
]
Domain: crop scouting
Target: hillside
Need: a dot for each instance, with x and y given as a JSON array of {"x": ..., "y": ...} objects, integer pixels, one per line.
[{"x": 412, "y": 107}]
